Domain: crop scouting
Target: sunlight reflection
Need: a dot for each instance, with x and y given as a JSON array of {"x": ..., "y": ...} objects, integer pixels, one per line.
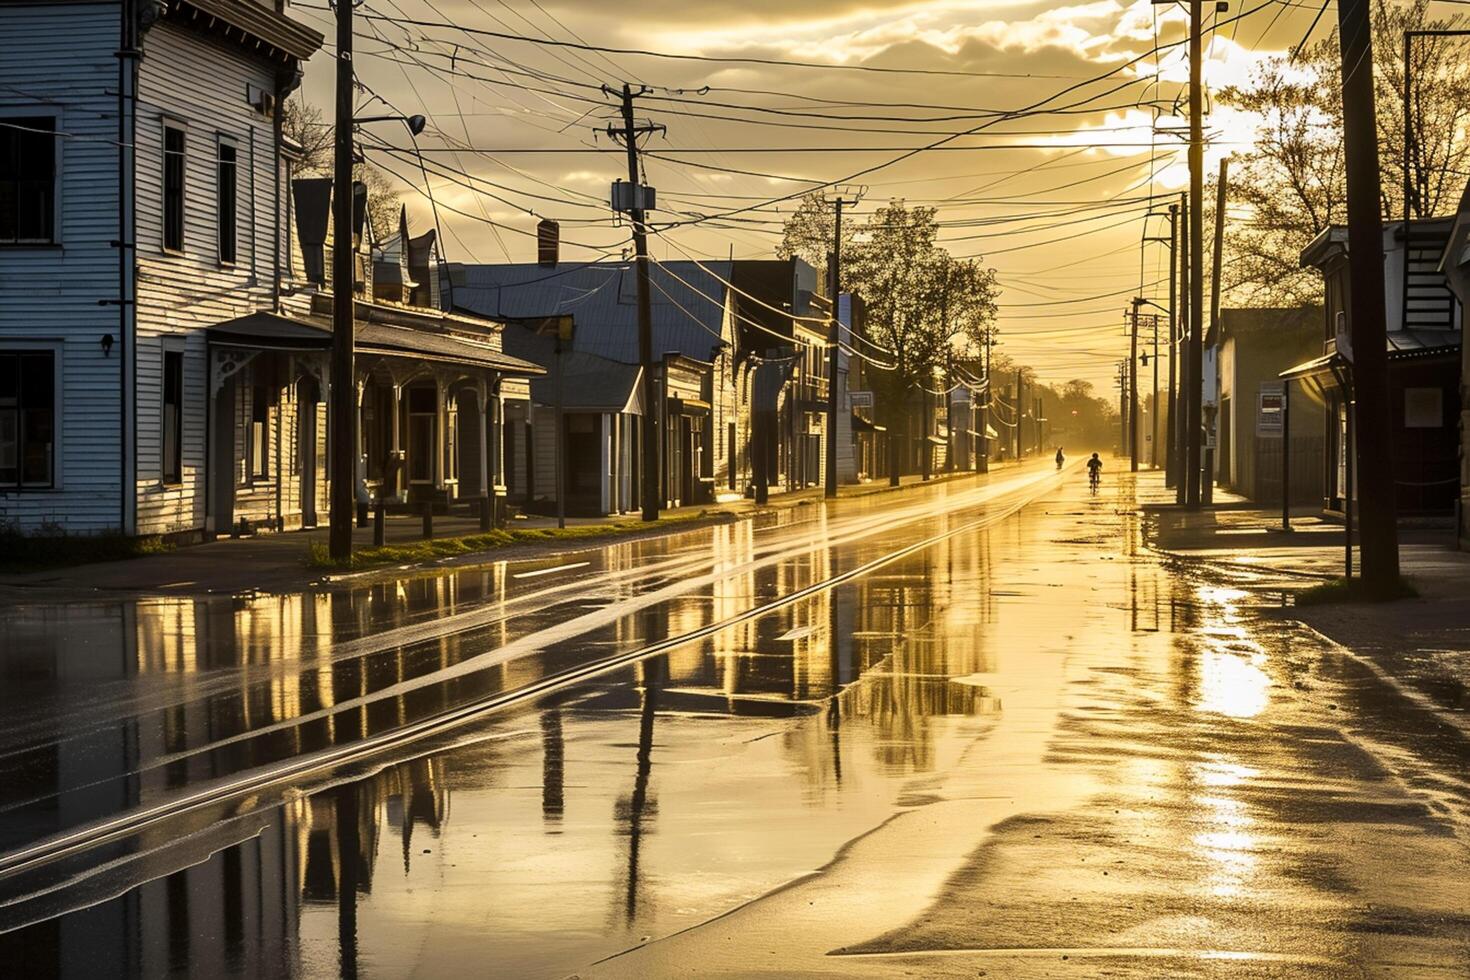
[{"x": 1232, "y": 685}]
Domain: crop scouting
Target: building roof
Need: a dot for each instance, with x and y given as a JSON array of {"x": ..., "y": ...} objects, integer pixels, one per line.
[
  {"x": 276, "y": 331},
  {"x": 687, "y": 303},
  {"x": 592, "y": 383},
  {"x": 255, "y": 22}
]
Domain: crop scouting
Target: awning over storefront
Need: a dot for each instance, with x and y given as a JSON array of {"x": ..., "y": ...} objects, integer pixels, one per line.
[
  {"x": 274, "y": 331},
  {"x": 860, "y": 424},
  {"x": 688, "y": 406}
]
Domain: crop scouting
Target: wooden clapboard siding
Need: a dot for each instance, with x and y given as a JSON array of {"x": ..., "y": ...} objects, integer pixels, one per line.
[
  {"x": 61, "y": 58},
  {"x": 198, "y": 83}
]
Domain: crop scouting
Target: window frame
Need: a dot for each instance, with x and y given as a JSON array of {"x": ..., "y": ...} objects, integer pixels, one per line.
[
  {"x": 166, "y": 126},
  {"x": 53, "y": 348},
  {"x": 57, "y": 162},
  {"x": 171, "y": 350},
  {"x": 224, "y": 141}
]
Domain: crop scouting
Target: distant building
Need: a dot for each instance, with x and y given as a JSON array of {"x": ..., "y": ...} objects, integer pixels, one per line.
[
  {"x": 1254, "y": 347},
  {"x": 601, "y": 392},
  {"x": 1424, "y": 331}
]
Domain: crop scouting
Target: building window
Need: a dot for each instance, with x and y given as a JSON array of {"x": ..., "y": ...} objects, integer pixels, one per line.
[
  {"x": 258, "y": 447},
  {"x": 173, "y": 416},
  {"x": 226, "y": 173},
  {"x": 28, "y": 179},
  {"x": 27, "y": 419},
  {"x": 173, "y": 188}
]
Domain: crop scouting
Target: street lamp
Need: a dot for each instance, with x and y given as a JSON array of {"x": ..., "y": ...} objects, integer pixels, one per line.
[{"x": 415, "y": 123}]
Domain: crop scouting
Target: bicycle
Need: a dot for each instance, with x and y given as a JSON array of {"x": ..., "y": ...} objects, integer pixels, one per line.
[{"x": 1094, "y": 480}]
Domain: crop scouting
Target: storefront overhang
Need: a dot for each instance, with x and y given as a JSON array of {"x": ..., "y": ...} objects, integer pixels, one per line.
[
  {"x": 688, "y": 406},
  {"x": 274, "y": 331},
  {"x": 860, "y": 424}
]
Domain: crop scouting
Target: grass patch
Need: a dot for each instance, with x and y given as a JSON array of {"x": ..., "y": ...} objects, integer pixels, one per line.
[
  {"x": 1353, "y": 590},
  {"x": 51, "y": 547},
  {"x": 416, "y": 552}
]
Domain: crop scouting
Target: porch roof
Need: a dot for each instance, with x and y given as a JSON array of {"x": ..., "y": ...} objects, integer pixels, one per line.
[{"x": 275, "y": 331}]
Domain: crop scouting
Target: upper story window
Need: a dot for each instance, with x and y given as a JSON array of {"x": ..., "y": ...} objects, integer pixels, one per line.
[
  {"x": 27, "y": 179},
  {"x": 226, "y": 179},
  {"x": 173, "y": 188}
]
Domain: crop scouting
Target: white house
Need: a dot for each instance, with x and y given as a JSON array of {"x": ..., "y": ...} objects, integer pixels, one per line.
[{"x": 164, "y": 317}]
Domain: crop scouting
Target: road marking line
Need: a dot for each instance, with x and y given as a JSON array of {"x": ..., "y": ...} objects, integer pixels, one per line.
[{"x": 548, "y": 571}]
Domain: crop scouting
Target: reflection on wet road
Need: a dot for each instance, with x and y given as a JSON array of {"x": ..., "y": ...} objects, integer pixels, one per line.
[{"x": 1023, "y": 746}]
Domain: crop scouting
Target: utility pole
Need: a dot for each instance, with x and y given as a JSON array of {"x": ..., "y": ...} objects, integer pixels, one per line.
[
  {"x": 1207, "y": 489},
  {"x": 1370, "y": 416},
  {"x": 1171, "y": 474},
  {"x": 342, "y": 410},
  {"x": 1020, "y": 416},
  {"x": 834, "y": 335},
  {"x": 1133, "y": 388},
  {"x": 1122, "y": 406},
  {"x": 1181, "y": 425},
  {"x": 652, "y": 407},
  {"x": 1196, "y": 259},
  {"x": 983, "y": 463}
]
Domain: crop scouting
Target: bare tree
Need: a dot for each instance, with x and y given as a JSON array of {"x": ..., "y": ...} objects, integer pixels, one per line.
[
  {"x": 1292, "y": 183},
  {"x": 302, "y": 123}
]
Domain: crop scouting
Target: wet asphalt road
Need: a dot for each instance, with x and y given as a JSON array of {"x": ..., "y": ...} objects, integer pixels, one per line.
[{"x": 1006, "y": 741}]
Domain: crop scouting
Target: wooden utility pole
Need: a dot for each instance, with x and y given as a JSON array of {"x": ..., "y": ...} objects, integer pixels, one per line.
[
  {"x": 1171, "y": 458},
  {"x": 833, "y": 337},
  {"x": 1181, "y": 426},
  {"x": 1020, "y": 417},
  {"x": 652, "y": 405},
  {"x": 1196, "y": 261},
  {"x": 1133, "y": 388},
  {"x": 983, "y": 463},
  {"x": 1371, "y": 416},
  {"x": 342, "y": 407},
  {"x": 1207, "y": 488}
]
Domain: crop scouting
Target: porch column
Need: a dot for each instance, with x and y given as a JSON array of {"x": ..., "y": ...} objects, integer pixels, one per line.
[
  {"x": 393, "y": 472},
  {"x": 441, "y": 438},
  {"x": 605, "y": 462},
  {"x": 482, "y": 396}
]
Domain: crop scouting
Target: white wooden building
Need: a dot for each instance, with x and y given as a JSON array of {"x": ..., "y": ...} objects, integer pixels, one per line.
[{"x": 163, "y": 290}]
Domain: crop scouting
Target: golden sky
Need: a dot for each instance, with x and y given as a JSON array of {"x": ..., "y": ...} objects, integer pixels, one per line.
[{"x": 1054, "y": 202}]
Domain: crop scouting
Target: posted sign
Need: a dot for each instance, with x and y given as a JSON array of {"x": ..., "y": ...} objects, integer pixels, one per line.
[{"x": 1269, "y": 405}]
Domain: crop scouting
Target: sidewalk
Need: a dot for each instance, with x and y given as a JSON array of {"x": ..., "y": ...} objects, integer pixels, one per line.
[
  {"x": 278, "y": 562},
  {"x": 1423, "y": 642}
]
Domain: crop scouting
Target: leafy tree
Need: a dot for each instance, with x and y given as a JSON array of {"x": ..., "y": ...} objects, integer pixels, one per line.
[
  {"x": 808, "y": 232},
  {"x": 1292, "y": 183}
]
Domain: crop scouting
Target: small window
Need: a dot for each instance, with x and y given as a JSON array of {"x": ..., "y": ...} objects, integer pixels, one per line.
[
  {"x": 259, "y": 445},
  {"x": 27, "y": 179},
  {"x": 27, "y": 419},
  {"x": 173, "y": 416},
  {"x": 226, "y": 178},
  {"x": 173, "y": 188}
]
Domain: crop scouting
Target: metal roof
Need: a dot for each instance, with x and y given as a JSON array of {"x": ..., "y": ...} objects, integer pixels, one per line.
[
  {"x": 591, "y": 383},
  {"x": 687, "y": 303},
  {"x": 275, "y": 331}
]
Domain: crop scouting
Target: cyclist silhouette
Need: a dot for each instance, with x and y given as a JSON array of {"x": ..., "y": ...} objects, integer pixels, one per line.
[{"x": 1094, "y": 472}]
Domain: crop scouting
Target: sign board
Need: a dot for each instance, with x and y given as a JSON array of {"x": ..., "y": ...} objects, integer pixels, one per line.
[
  {"x": 860, "y": 399},
  {"x": 1270, "y": 402}
]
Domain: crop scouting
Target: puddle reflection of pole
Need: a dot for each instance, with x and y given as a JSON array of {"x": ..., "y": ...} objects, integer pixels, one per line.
[
  {"x": 834, "y": 710},
  {"x": 553, "y": 767},
  {"x": 652, "y": 679},
  {"x": 347, "y": 857}
]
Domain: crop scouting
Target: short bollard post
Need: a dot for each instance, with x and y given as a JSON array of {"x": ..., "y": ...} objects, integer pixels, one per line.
[
  {"x": 362, "y": 513},
  {"x": 485, "y": 512},
  {"x": 428, "y": 520},
  {"x": 378, "y": 521}
]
